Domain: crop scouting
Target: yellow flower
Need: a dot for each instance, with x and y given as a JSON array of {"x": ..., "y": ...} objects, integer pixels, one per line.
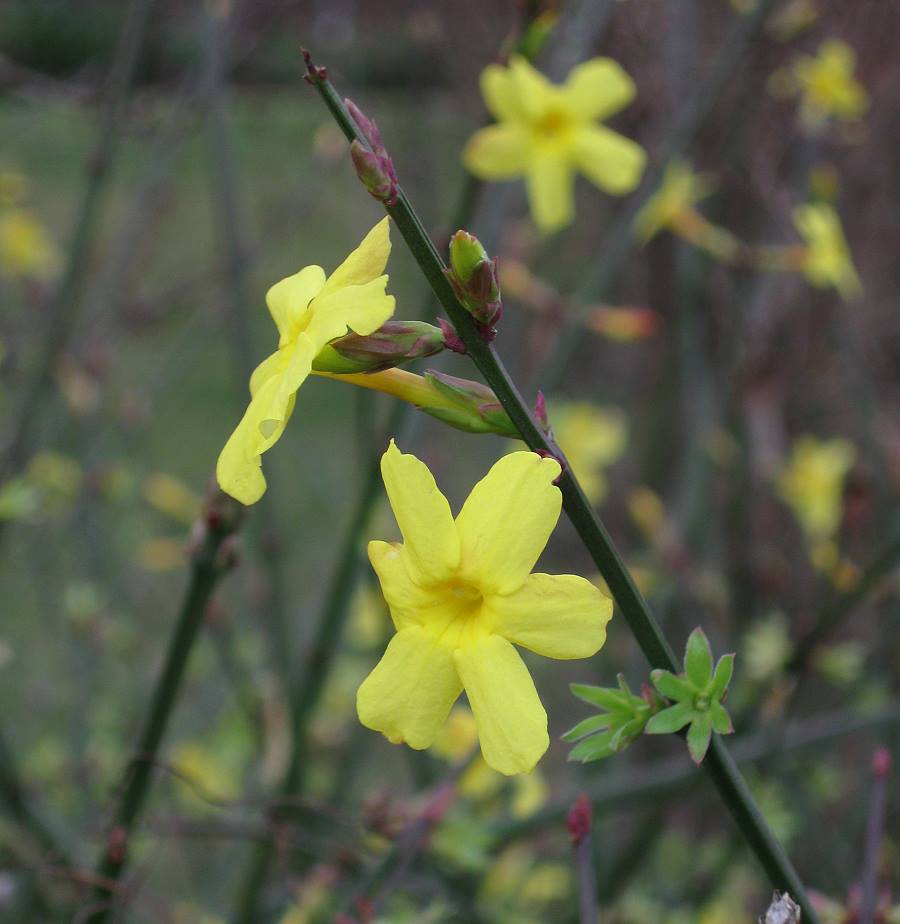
[
  {"x": 461, "y": 593},
  {"x": 681, "y": 188},
  {"x": 827, "y": 86},
  {"x": 592, "y": 439},
  {"x": 546, "y": 132},
  {"x": 171, "y": 496},
  {"x": 827, "y": 261},
  {"x": 26, "y": 251},
  {"x": 812, "y": 483},
  {"x": 309, "y": 311}
]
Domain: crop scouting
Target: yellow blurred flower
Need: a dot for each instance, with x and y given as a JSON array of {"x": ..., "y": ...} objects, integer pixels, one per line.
[
  {"x": 827, "y": 86},
  {"x": 680, "y": 190},
  {"x": 767, "y": 647},
  {"x": 826, "y": 261},
  {"x": 309, "y": 310},
  {"x": 369, "y": 621},
  {"x": 26, "y": 250},
  {"x": 546, "y": 132},
  {"x": 461, "y": 595},
  {"x": 592, "y": 438},
  {"x": 207, "y": 777},
  {"x": 171, "y": 496},
  {"x": 455, "y": 741},
  {"x": 811, "y": 483}
]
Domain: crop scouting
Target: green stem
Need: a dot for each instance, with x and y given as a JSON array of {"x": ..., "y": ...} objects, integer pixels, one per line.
[
  {"x": 206, "y": 569},
  {"x": 656, "y": 649}
]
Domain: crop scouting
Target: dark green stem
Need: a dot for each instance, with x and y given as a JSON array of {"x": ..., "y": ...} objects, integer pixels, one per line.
[
  {"x": 207, "y": 566},
  {"x": 718, "y": 763}
]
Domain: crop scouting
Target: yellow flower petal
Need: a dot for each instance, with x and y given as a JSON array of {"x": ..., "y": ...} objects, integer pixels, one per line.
[
  {"x": 499, "y": 92},
  {"x": 365, "y": 263},
  {"x": 423, "y": 515},
  {"x": 597, "y": 88},
  {"x": 362, "y": 308},
  {"x": 238, "y": 468},
  {"x": 551, "y": 197},
  {"x": 512, "y": 724},
  {"x": 409, "y": 693},
  {"x": 497, "y": 152},
  {"x": 408, "y": 602},
  {"x": 609, "y": 160},
  {"x": 289, "y": 299},
  {"x": 507, "y": 519},
  {"x": 533, "y": 92},
  {"x": 555, "y": 615}
]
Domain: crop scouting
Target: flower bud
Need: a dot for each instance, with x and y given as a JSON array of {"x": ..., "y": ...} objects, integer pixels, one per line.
[
  {"x": 473, "y": 275},
  {"x": 470, "y": 406},
  {"x": 393, "y": 344},
  {"x": 375, "y": 172}
]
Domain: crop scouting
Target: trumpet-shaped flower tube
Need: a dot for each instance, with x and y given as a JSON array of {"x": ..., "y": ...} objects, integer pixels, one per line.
[
  {"x": 462, "y": 595},
  {"x": 546, "y": 133},
  {"x": 309, "y": 310}
]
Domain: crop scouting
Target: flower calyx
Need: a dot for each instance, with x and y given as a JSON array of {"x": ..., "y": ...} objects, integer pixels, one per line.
[
  {"x": 470, "y": 406},
  {"x": 395, "y": 343},
  {"x": 697, "y": 696}
]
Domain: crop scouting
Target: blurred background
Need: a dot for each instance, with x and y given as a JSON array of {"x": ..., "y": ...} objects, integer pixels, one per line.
[{"x": 161, "y": 165}]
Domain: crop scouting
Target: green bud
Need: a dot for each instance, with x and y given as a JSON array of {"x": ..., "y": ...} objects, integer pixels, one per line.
[
  {"x": 470, "y": 406},
  {"x": 466, "y": 252}
]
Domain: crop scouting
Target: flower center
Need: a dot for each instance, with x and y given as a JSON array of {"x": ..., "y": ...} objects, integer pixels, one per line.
[
  {"x": 460, "y": 614},
  {"x": 553, "y": 124}
]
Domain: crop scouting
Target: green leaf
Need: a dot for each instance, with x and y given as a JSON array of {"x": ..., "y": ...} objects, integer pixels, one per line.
[
  {"x": 624, "y": 735},
  {"x": 698, "y": 661},
  {"x": 698, "y": 736},
  {"x": 722, "y": 677},
  {"x": 588, "y": 726},
  {"x": 673, "y": 687},
  {"x": 595, "y": 748},
  {"x": 604, "y": 697},
  {"x": 623, "y": 686},
  {"x": 721, "y": 720},
  {"x": 670, "y": 720}
]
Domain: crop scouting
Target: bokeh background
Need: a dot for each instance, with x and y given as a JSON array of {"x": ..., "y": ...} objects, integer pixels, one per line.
[{"x": 219, "y": 172}]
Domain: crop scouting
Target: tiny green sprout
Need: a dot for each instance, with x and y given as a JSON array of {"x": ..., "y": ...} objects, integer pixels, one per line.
[
  {"x": 626, "y": 715},
  {"x": 696, "y": 696}
]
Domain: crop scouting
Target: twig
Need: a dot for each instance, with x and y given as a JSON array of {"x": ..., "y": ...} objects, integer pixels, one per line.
[
  {"x": 308, "y": 690},
  {"x": 579, "y": 821},
  {"x": 62, "y": 312},
  {"x": 209, "y": 562},
  {"x": 881, "y": 766},
  {"x": 226, "y": 194}
]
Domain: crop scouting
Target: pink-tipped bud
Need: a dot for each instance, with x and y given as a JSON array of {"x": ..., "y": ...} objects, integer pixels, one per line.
[
  {"x": 314, "y": 75},
  {"x": 394, "y": 344},
  {"x": 540, "y": 411},
  {"x": 375, "y": 172},
  {"x": 881, "y": 763},
  {"x": 368, "y": 128},
  {"x": 452, "y": 339},
  {"x": 579, "y": 819}
]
